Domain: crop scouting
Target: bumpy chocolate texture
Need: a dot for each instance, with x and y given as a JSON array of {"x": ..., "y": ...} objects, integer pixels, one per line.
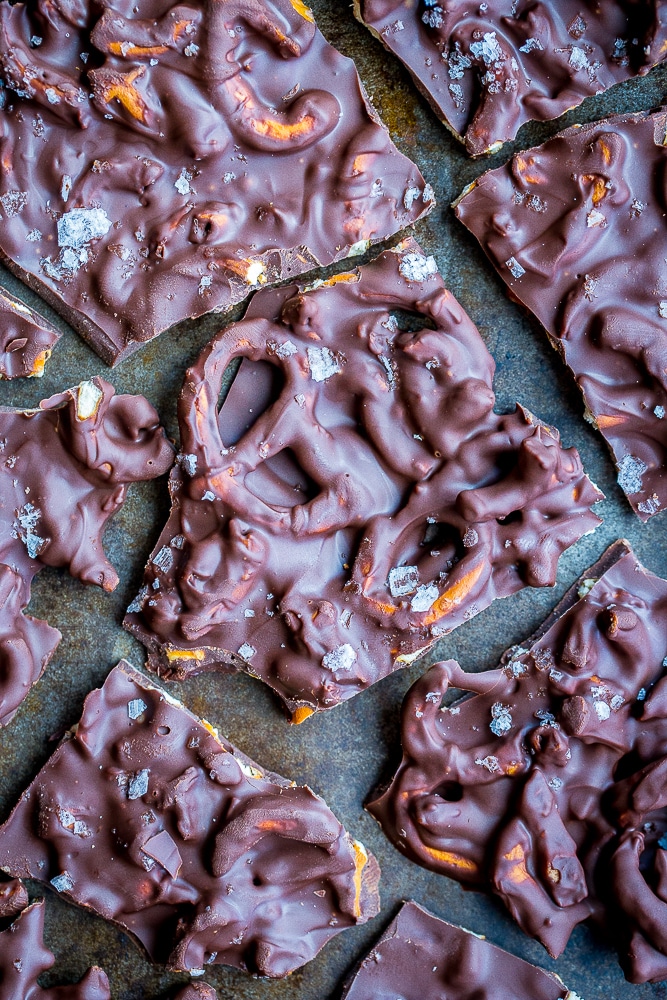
[
  {"x": 146, "y": 816},
  {"x": 23, "y": 958},
  {"x": 547, "y": 787},
  {"x": 420, "y": 957},
  {"x": 64, "y": 470},
  {"x": 356, "y": 497},
  {"x": 486, "y": 68},
  {"x": 26, "y": 339},
  {"x": 576, "y": 228},
  {"x": 181, "y": 155}
]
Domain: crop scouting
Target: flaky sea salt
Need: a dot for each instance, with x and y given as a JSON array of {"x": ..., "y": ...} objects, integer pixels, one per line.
[
  {"x": 341, "y": 658},
  {"x": 403, "y": 580},
  {"x": 417, "y": 267},
  {"x": 425, "y": 598},
  {"x": 322, "y": 363}
]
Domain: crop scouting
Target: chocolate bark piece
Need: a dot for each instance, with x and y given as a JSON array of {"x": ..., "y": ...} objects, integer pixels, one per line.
[
  {"x": 487, "y": 68},
  {"x": 546, "y": 787},
  {"x": 192, "y": 153},
  {"x": 27, "y": 339},
  {"x": 356, "y": 497},
  {"x": 148, "y": 817},
  {"x": 64, "y": 470},
  {"x": 420, "y": 957},
  {"x": 23, "y": 958},
  {"x": 576, "y": 228}
]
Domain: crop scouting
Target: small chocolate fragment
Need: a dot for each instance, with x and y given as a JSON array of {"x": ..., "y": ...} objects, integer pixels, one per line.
[
  {"x": 266, "y": 873},
  {"x": 486, "y": 68},
  {"x": 23, "y": 958},
  {"x": 547, "y": 786},
  {"x": 576, "y": 228},
  {"x": 420, "y": 957},
  {"x": 27, "y": 339},
  {"x": 197, "y": 991},
  {"x": 356, "y": 497},
  {"x": 182, "y": 155},
  {"x": 13, "y": 898},
  {"x": 64, "y": 470}
]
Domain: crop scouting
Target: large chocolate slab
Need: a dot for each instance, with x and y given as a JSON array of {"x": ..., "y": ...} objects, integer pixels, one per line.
[
  {"x": 576, "y": 228},
  {"x": 487, "y": 68},
  {"x": 23, "y": 958},
  {"x": 26, "y": 339},
  {"x": 148, "y": 817},
  {"x": 546, "y": 787},
  {"x": 420, "y": 957},
  {"x": 160, "y": 162},
  {"x": 64, "y": 471},
  {"x": 356, "y": 497}
]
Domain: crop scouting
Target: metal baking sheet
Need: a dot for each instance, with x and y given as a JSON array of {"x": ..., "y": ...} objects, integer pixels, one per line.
[{"x": 343, "y": 753}]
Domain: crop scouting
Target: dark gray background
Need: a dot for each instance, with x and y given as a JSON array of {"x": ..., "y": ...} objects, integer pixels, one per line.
[{"x": 343, "y": 753}]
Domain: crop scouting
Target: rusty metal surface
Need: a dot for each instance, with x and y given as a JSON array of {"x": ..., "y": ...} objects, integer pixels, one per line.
[{"x": 343, "y": 753}]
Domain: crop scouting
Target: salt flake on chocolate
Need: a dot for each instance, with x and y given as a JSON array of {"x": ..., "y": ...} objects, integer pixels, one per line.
[
  {"x": 342, "y": 658},
  {"x": 403, "y": 580},
  {"x": 630, "y": 472},
  {"x": 322, "y": 363},
  {"x": 81, "y": 226},
  {"x": 417, "y": 267}
]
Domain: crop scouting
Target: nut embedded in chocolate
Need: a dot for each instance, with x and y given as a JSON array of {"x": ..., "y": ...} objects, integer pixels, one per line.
[
  {"x": 486, "y": 68},
  {"x": 23, "y": 958},
  {"x": 356, "y": 497},
  {"x": 64, "y": 471},
  {"x": 576, "y": 228},
  {"x": 160, "y": 162},
  {"x": 27, "y": 339},
  {"x": 547, "y": 786},
  {"x": 420, "y": 957},
  {"x": 148, "y": 817}
]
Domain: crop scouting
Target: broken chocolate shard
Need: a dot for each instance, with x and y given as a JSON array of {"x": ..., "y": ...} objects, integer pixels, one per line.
[
  {"x": 191, "y": 154},
  {"x": 23, "y": 958},
  {"x": 265, "y": 876},
  {"x": 27, "y": 339},
  {"x": 487, "y": 71},
  {"x": 582, "y": 219},
  {"x": 562, "y": 812},
  {"x": 420, "y": 957},
  {"x": 64, "y": 470},
  {"x": 355, "y": 497}
]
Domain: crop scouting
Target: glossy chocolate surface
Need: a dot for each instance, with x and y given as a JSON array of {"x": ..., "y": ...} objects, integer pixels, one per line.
[
  {"x": 356, "y": 497},
  {"x": 146, "y": 816},
  {"x": 576, "y": 228},
  {"x": 23, "y": 958},
  {"x": 161, "y": 162},
  {"x": 487, "y": 68},
  {"x": 64, "y": 470},
  {"x": 420, "y": 957},
  {"x": 26, "y": 339},
  {"x": 547, "y": 786}
]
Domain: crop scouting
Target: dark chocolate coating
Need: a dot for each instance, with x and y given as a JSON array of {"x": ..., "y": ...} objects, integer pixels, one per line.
[
  {"x": 148, "y": 817},
  {"x": 546, "y": 787},
  {"x": 576, "y": 228},
  {"x": 26, "y": 339},
  {"x": 346, "y": 507},
  {"x": 420, "y": 957},
  {"x": 65, "y": 469},
  {"x": 200, "y": 150},
  {"x": 23, "y": 958},
  {"x": 486, "y": 68}
]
